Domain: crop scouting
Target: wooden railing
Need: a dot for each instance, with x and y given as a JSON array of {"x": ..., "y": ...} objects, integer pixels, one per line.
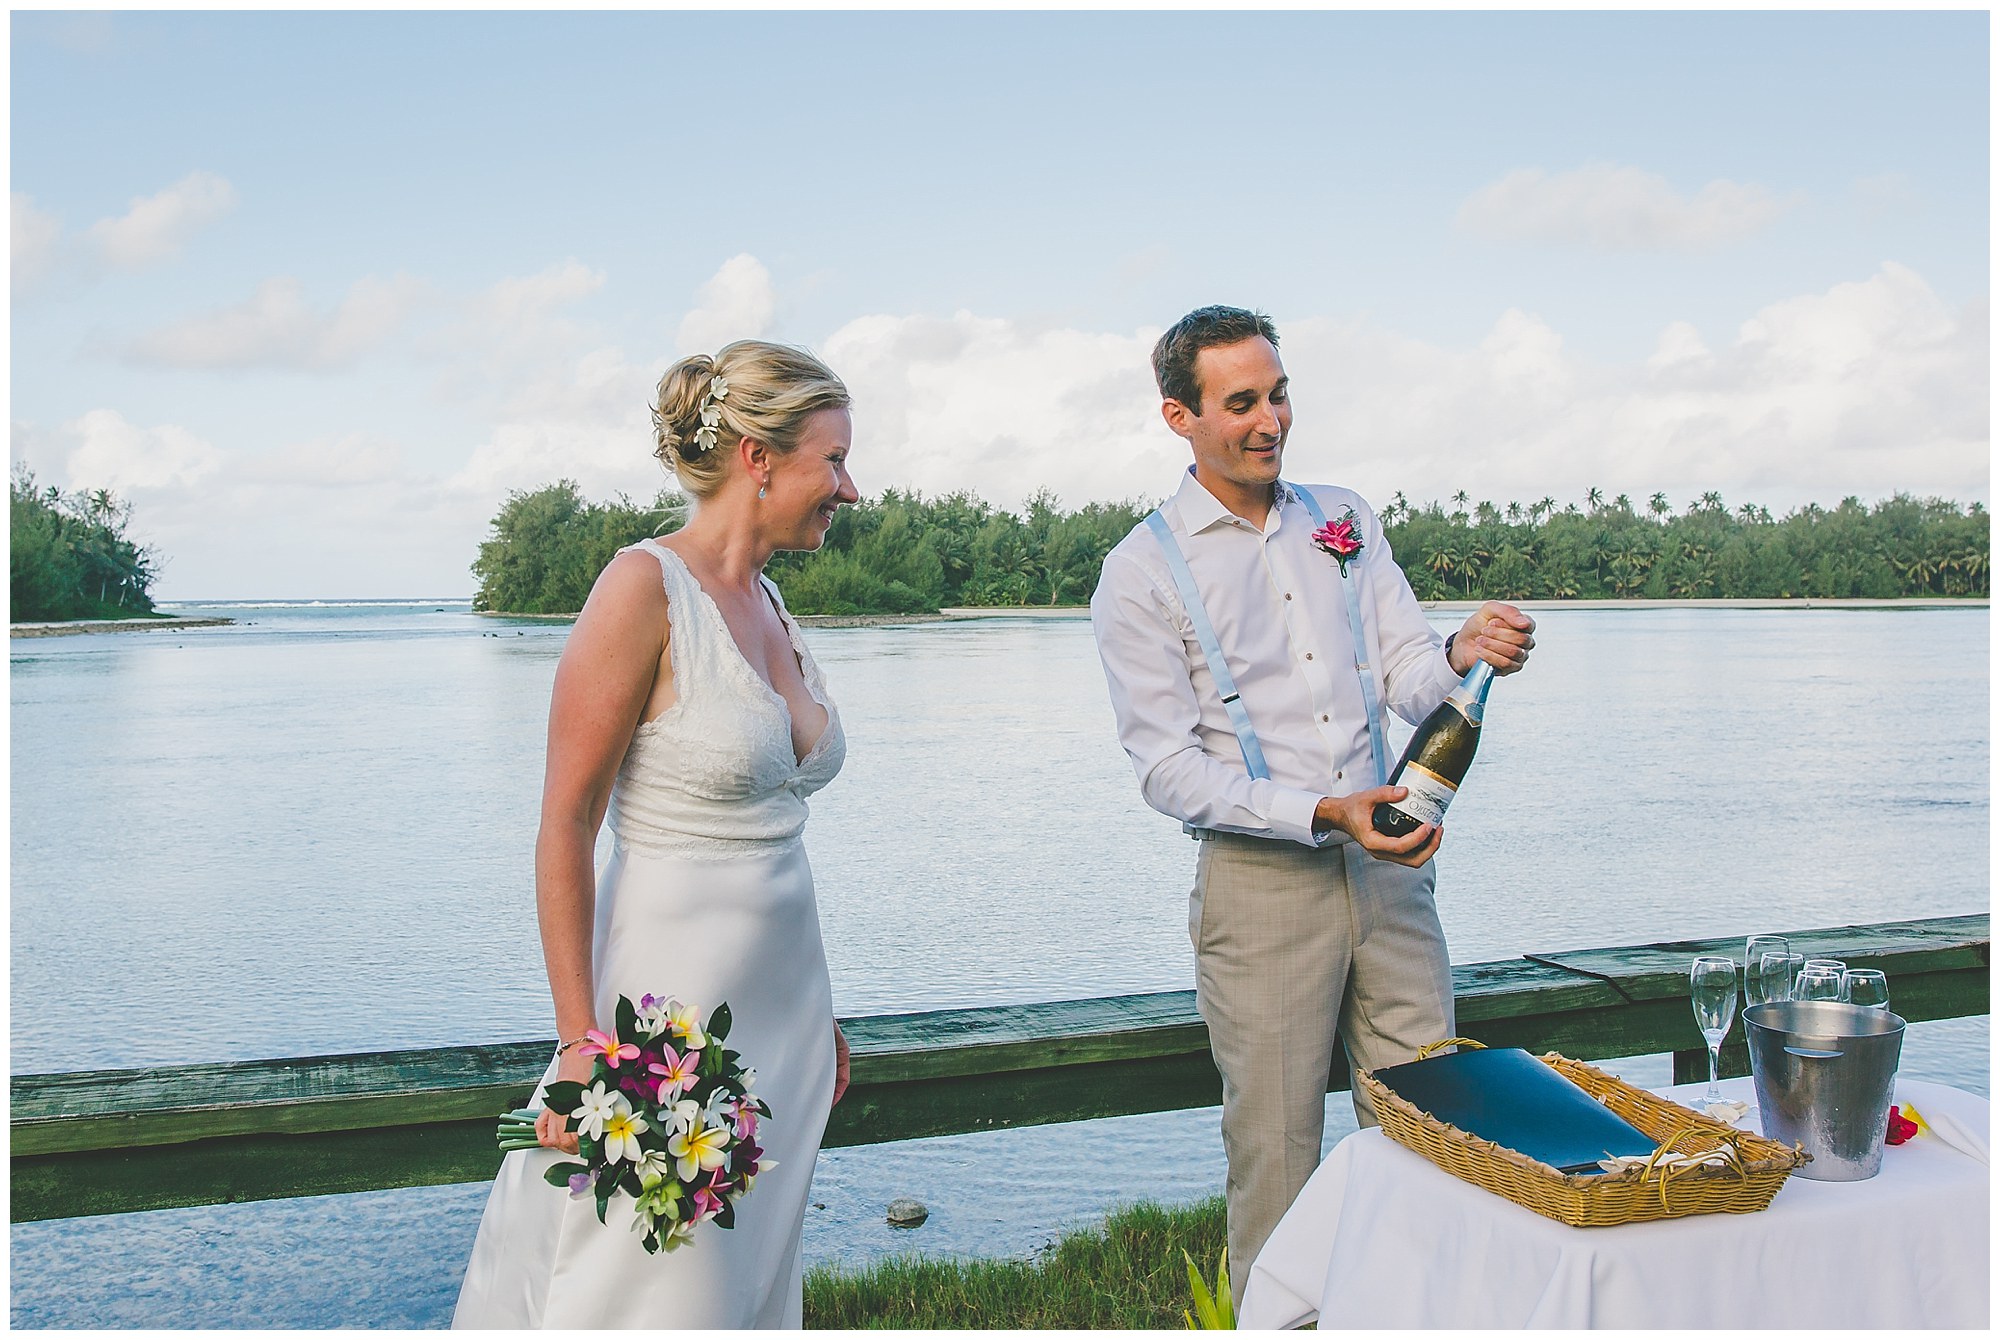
[{"x": 109, "y": 1141}]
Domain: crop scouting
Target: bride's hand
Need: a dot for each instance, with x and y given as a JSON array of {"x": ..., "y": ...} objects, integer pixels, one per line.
[
  {"x": 839, "y": 1063},
  {"x": 551, "y": 1128}
]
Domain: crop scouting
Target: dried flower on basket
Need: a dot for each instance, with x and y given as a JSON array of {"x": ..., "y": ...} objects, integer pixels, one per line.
[{"x": 1901, "y": 1127}]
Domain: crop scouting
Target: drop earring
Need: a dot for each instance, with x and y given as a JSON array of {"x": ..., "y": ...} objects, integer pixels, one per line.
[{"x": 762, "y": 490}]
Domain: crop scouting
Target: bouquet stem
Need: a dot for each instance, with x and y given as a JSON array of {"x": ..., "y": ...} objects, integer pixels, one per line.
[{"x": 517, "y": 1130}]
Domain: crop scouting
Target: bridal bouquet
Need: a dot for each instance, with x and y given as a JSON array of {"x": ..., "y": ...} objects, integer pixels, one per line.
[{"x": 667, "y": 1117}]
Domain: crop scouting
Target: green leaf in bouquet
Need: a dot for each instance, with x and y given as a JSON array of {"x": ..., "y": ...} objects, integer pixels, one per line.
[
  {"x": 718, "y": 1023},
  {"x": 560, "y": 1174},
  {"x": 605, "y": 1186},
  {"x": 564, "y": 1096},
  {"x": 627, "y": 1018},
  {"x": 726, "y": 1216}
]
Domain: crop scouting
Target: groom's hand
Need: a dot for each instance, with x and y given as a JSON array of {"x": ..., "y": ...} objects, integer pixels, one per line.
[
  {"x": 1498, "y": 634},
  {"x": 1355, "y": 816}
]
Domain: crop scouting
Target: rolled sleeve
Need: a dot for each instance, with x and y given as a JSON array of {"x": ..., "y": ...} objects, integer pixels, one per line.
[{"x": 1146, "y": 661}]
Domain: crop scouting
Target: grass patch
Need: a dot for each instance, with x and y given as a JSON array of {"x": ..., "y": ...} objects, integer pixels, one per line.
[{"x": 1126, "y": 1275}]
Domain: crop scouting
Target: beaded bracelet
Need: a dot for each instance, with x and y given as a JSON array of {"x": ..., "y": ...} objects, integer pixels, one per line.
[{"x": 571, "y": 1043}]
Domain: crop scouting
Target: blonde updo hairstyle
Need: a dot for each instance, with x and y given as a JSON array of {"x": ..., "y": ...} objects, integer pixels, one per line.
[{"x": 772, "y": 390}]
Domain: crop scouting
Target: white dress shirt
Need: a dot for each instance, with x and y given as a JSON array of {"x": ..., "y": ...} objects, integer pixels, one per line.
[{"x": 1279, "y": 613}]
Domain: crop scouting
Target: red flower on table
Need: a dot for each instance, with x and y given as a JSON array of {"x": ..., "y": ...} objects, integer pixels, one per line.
[
  {"x": 1340, "y": 537},
  {"x": 1901, "y": 1127}
]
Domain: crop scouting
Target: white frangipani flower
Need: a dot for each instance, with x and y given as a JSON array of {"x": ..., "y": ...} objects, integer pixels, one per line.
[{"x": 600, "y": 1105}]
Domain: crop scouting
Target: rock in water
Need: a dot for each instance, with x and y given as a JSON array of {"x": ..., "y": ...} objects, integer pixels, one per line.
[{"x": 907, "y": 1213}]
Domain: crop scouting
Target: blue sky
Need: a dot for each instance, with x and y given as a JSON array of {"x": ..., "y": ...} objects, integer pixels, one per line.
[{"x": 316, "y": 290}]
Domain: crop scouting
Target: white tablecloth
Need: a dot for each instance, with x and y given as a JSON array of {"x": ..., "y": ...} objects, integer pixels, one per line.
[{"x": 1381, "y": 1237}]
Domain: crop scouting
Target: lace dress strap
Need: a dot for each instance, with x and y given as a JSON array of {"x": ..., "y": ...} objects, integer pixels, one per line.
[
  {"x": 686, "y": 642},
  {"x": 815, "y": 682}
]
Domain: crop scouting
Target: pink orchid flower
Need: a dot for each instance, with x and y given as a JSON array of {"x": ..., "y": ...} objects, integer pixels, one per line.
[
  {"x": 611, "y": 1049},
  {"x": 708, "y": 1200},
  {"x": 1341, "y": 538},
  {"x": 676, "y": 1070},
  {"x": 746, "y": 1123}
]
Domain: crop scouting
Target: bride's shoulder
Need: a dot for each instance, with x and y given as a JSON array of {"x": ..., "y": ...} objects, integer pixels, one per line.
[{"x": 634, "y": 584}]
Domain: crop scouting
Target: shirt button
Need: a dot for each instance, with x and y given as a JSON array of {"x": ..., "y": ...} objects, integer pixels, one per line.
[
  {"x": 1324, "y": 717},
  {"x": 1309, "y": 656},
  {"x": 1288, "y": 595},
  {"x": 1338, "y": 775}
]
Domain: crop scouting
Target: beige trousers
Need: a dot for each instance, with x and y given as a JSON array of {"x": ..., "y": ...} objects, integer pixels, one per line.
[{"x": 1294, "y": 946}]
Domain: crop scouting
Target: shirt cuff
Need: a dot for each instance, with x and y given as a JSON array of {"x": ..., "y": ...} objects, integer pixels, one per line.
[
  {"x": 1292, "y": 818},
  {"x": 1445, "y": 674}
]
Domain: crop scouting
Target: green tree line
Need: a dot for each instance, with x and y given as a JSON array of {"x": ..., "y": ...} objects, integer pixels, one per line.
[
  {"x": 69, "y": 558},
  {"x": 905, "y": 553},
  {"x": 1599, "y": 549}
]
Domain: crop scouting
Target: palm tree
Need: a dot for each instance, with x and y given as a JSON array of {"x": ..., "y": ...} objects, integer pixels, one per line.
[
  {"x": 1595, "y": 497},
  {"x": 1658, "y": 505}
]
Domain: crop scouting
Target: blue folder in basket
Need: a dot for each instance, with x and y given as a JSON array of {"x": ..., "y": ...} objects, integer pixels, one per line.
[{"x": 1505, "y": 1095}]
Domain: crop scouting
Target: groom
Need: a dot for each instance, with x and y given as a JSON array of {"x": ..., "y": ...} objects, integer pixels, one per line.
[{"x": 1251, "y": 714}]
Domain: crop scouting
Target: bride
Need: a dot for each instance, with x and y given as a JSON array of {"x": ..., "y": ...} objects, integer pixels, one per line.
[{"x": 688, "y": 711}]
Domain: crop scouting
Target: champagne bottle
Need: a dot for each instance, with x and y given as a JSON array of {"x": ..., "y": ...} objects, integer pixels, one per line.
[{"x": 1439, "y": 753}]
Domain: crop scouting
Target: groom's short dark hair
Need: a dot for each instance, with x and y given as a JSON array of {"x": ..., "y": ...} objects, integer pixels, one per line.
[{"x": 1203, "y": 328}]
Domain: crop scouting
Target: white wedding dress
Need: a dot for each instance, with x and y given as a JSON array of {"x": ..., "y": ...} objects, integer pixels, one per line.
[{"x": 706, "y": 897}]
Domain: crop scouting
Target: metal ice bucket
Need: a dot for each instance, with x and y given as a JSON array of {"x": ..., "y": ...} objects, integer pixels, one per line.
[{"x": 1825, "y": 1073}]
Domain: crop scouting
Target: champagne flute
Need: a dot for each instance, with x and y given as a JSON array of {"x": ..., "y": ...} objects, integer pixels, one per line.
[
  {"x": 1712, "y": 987},
  {"x": 1781, "y": 973},
  {"x": 1866, "y": 986},
  {"x": 1758, "y": 989}
]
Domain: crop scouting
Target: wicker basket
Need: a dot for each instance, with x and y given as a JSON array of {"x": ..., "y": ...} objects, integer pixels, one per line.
[{"x": 1754, "y": 1174}]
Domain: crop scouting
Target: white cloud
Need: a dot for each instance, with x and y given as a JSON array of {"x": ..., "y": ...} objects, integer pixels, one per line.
[
  {"x": 1866, "y": 387},
  {"x": 1870, "y": 387},
  {"x": 737, "y": 304},
  {"x": 36, "y": 236},
  {"x": 1615, "y": 208},
  {"x": 561, "y": 403},
  {"x": 110, "y": 453},
  {"x": 980, "y": 403},
  {"x": 528, "y": 298},
  {"x": 276, "y": 328},
  {"x": 157, "y": 226}
]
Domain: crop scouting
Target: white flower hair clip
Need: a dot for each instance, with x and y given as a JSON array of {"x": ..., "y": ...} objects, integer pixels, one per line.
[{"x": 711, "y": 414}]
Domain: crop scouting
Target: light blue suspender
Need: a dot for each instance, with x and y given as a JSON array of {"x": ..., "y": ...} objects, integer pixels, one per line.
[
  {"x": 1360, "y": 641},
  {"x": 1225, "y": 683}
]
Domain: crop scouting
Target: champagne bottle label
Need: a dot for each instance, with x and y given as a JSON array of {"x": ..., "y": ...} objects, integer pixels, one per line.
[
  {"x": 1468, "y": 707},
  {"x": 1430, "y": 795}
]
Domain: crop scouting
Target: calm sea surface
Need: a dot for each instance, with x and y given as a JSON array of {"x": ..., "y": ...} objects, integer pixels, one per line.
[{"x": 312, "y": 832}]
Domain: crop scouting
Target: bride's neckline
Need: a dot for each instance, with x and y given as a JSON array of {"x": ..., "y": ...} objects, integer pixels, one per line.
[{"x": 743, "y": 662}]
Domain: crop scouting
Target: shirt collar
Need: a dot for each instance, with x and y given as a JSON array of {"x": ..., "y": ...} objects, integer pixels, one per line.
[{"x": 1201, "y": 509}]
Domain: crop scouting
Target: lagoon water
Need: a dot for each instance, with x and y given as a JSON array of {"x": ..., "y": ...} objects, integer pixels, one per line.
[{"x": 312, "y": 832}]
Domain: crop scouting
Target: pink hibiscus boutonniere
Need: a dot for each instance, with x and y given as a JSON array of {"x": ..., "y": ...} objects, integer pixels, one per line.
[{"x": 1340, "y": 537}]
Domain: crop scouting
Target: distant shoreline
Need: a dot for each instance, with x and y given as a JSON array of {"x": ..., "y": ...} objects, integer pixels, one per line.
[
  {"x": 961, "y": 613},
  {"x": 68, "y": 627}
]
